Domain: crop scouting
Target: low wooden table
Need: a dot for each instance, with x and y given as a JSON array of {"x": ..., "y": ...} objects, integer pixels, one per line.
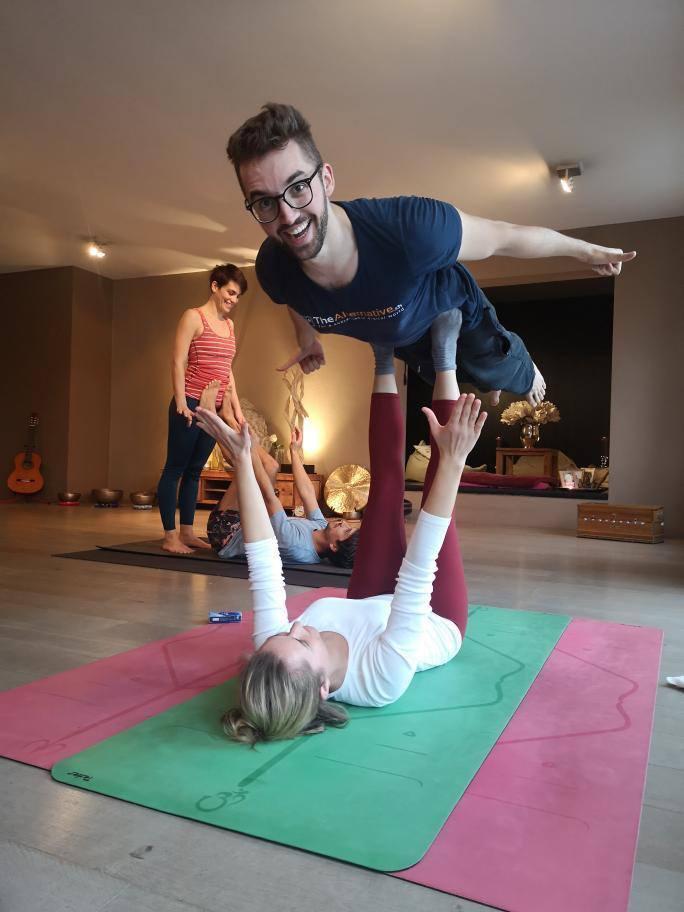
[
  {"x": 506, "y": 458},
  {"x": 214, "y": 484}
]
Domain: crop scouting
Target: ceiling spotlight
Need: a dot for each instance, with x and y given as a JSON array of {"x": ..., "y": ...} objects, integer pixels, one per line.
[
  {"x": 566, "y": 175},
  {"x": 96, "y": 250}
]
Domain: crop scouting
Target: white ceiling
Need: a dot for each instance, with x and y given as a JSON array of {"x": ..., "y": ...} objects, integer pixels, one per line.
[{"x": 115, "y": 115}]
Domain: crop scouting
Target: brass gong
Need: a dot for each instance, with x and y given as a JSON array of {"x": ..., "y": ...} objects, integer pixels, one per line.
[{"x": 346, "y": 489}]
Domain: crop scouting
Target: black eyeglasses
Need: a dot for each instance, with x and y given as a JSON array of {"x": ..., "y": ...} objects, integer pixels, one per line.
[{"x": 297, "y": 196}]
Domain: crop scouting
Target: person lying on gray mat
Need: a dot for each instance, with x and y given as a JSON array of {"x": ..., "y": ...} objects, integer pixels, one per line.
[{"x": 300, "y": 540}]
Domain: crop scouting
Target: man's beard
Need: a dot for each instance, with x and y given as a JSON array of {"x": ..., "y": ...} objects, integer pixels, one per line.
[{"x": 316, "y": 245}]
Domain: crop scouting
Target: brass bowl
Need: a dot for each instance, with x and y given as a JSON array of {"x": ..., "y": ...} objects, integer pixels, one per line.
[
  {"x": 68, "y": 496},
  {"x": 142, "y": 498},
  {"x": 106, "y": 495}
]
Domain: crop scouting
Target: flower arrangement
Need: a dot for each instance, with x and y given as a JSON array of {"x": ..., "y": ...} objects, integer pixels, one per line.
[
  {"x": 530, "y": 417},
  {"x": 522, "y": 411}
]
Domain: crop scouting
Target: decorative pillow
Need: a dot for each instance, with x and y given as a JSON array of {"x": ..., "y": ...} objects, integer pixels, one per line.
[{"x": 418, "y": 462}]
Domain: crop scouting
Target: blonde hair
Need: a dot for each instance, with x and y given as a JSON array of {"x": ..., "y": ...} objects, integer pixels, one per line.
[{"x": 279, "y": 703}]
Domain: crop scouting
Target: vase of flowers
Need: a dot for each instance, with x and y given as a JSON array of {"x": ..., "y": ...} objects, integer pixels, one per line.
[{"x": 530, "y": 418}]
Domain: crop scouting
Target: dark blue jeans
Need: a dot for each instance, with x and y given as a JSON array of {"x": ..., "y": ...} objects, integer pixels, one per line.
[
  {"x": 188, "y": 449},
  {"x": 488, "y": 356}
]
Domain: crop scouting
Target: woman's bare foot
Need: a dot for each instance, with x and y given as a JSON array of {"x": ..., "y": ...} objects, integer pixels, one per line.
[
  {"x": 188, "y": 538},
  {"x": 173, "y": 544},
  {"x": 209, "y": 394},
  {"x": 536, "y": 394}
]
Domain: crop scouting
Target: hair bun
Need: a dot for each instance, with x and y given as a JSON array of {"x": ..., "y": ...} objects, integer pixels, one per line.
[{"x": 239, "y": 728}]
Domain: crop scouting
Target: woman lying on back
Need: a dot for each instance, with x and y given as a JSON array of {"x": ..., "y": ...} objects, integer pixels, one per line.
[{"x": 358, "y": 650}]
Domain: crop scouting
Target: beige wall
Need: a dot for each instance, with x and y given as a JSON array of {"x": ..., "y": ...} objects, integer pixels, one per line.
[
  {"x": 35, "y": 358},
  {"x": 145, "y": 315},
  {"x": 55, "y": 352},
  {"x": 647, "y": 434},
  {"x": 89, "y": 382}
]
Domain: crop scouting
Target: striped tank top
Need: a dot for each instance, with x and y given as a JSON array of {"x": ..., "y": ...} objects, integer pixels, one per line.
[{"x": 210, "y": 357}]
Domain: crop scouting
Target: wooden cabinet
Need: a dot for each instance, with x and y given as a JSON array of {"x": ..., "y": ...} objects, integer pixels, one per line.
[
  {"x": 506, "y": 458},
  {"x": 213, "y": 485}
]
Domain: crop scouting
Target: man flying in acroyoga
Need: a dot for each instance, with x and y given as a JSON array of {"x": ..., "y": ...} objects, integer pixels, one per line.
[{"x": 386, "y": 271}]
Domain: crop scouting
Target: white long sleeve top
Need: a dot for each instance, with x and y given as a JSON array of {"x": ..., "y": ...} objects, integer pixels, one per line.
[{"x": 390, "y": 637}]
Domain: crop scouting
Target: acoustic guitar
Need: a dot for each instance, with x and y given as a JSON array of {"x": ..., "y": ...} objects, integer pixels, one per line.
[{"x": 26, "y": 477}]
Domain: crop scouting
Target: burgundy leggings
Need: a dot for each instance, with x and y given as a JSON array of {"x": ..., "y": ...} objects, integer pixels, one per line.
[{"x": 382, "y": 540}]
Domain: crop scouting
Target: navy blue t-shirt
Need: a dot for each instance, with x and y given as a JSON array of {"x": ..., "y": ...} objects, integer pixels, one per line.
[{"x": 407, "y": 274}]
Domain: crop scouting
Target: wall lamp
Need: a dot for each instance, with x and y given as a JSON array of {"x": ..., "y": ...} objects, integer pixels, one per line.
[{"x": 96, "y": 250}]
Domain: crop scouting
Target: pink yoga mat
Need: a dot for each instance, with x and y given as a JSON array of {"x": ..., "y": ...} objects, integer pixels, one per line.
[
  {"x": 551, "y": 819},
  {"x": 47, "y": 720}
]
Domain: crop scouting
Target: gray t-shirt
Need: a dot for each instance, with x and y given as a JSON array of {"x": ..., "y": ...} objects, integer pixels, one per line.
[{"x": 293, "y": 535}]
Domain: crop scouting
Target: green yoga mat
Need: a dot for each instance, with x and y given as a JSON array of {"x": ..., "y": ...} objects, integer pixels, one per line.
[{"x": 375, "y": 793}]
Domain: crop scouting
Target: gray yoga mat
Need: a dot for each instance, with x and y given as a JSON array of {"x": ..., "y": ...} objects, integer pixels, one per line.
[{"x": 150, "y": 554}]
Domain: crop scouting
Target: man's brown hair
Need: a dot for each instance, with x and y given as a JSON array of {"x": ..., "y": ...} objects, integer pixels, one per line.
[{"x": 272, "y": 128}]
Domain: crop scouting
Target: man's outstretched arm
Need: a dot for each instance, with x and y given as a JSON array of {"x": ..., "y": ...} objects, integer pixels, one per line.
[{"x": 483, "y": 238}]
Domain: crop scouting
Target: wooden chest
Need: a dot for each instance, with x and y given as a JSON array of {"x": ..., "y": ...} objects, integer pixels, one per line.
[{"x": 620, "y": 522}]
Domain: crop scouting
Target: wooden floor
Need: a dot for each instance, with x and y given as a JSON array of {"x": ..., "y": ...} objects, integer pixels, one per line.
[{"x": 64, "y": 849}]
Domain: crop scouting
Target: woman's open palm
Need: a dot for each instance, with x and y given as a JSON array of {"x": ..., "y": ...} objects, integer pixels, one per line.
[{"x": 458, "y": 436}]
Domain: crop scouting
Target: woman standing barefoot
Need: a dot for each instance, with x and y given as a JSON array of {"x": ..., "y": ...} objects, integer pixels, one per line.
[{"x": 203, "y": 351}]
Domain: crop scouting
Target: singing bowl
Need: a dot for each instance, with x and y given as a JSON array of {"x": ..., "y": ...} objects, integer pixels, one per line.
[
  {"x": 106, "y": 495},
  {"x": 68, "y": 496},
  {"x": 142, "y": 498}
]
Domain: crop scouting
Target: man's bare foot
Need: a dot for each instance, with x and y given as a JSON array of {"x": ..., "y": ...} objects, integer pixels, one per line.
[
  {"x": 209, "y": 394},
  {"x": 173, "y": 544},
  {"x": 536, "y": 394},
  {"x": 188, "y": 537}
]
